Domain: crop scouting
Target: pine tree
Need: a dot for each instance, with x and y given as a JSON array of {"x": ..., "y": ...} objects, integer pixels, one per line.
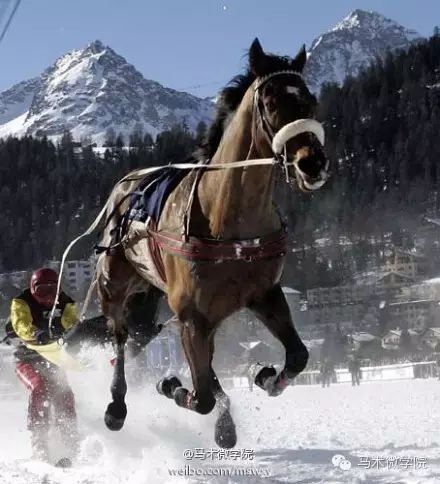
[{"x": 110, "y": 138}]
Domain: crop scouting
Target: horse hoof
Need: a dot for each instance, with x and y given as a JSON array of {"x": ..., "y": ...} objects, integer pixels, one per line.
[
  {"x": 263, "y": 375},
  {"x": 225, "y": 435},
  {"x": 115, "y": 416},
  {"x": 168, "y": 385}
]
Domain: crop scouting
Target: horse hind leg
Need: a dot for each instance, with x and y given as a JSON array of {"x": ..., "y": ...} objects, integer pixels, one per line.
[
  {"x": 115, "y": 281},
  {"x": 141, "y": 316},
  {"x": 274, "y": 313}
]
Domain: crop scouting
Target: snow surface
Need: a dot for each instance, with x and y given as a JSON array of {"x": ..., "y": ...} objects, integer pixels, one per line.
[
  {"x": 14, "y": 127},
  {"x": 293, "y": 437}
]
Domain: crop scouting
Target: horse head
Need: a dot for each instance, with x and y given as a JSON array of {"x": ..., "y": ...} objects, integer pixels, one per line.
[{"x": 284, "y": 117}]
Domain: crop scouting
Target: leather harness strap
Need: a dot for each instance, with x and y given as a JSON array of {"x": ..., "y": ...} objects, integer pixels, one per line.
[{"x": 212, "y": 250}]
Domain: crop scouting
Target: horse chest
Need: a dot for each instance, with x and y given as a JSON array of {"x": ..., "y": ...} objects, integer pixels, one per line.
[{"x": 236, "y": 282}]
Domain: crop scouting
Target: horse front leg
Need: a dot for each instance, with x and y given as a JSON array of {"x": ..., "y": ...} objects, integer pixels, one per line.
[
  {"x": 195, "y": 342},
  {"x": 273, "y": 311},
  {"x": 225, "y": 433}
]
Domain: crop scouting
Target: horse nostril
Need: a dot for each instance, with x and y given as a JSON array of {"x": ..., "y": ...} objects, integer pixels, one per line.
[{"x": 311, "y": 166}]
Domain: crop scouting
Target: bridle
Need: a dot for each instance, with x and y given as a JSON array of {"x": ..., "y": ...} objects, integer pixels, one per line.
[
  {"x": 259, "y": 114},
  {"x": 259, "y": 110}
]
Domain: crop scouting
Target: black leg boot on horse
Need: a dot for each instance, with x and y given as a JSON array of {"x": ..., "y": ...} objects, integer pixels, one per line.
[{"x": 274, "y": 313}]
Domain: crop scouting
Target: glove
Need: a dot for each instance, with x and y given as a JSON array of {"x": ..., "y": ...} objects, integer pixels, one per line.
[{"x": 42, "y": 337}]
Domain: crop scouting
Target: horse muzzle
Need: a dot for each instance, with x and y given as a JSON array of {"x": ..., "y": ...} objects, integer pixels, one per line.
[
  {"x": 309, "y": 161},
  {"x": 312, "y": 171}
]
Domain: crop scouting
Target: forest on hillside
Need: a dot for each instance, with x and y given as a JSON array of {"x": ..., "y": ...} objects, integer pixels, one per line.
[
  {"x": 382, "y": 135},
  {"x": 382, "y": 138}
]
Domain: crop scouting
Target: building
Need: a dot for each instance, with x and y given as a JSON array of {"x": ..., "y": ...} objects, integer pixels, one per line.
[
  {"x": 406, "y": 263},
  {"x": 427, "y": 289},
  {"x": 357, "y": 304},
  {"x": 418, "y": 315},
  {"x": 338, "y": 305},
  {"x": 77, "y": 275},
  {"x": 391, "y": 284},
  {"x": 391, "y": 340},
  {"x": 431, "y": 338}
]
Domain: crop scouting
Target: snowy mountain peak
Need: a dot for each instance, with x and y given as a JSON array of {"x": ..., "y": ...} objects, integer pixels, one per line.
[
  {"x": 351, "y": 21},
  {"x": 373, "y": 22},
  {"x": 96, "y": 46},
  {"x": 355, "y": 41},
  {"x": 90, "y": 90}
]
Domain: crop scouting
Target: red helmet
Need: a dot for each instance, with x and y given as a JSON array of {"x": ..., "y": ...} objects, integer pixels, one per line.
[{"x": 44, "y": 286}]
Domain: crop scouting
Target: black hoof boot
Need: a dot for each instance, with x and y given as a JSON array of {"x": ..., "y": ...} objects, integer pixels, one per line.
[
  {"x": 267, "y": 372},
  {"x": 168, "y": 385},
  {"x": 183, "y": 397},
  {"x": 225, "y": 435},
  {"x": 115, "y": 415}
]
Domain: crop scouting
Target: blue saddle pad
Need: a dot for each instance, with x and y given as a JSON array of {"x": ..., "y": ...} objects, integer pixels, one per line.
[{"x": 152, "y": 194}]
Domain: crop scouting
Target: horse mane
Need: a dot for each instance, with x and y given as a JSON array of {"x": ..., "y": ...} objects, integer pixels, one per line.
[{"x": 229, "y": 99}]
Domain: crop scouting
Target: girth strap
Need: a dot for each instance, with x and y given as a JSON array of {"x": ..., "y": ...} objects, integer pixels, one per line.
[{"x": 214, "y": 250}]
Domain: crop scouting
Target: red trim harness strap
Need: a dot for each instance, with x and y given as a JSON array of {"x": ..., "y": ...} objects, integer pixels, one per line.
[{"x": 212, "y": 250}]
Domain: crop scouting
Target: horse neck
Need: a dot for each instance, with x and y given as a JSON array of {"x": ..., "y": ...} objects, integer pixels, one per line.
[{"x": 238, "y": 202}]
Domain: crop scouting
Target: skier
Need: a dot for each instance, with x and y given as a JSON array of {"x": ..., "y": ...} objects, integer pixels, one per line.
[{"x": 29, "y": 323}]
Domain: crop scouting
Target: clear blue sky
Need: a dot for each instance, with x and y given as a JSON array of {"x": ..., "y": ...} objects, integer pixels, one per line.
[{"x": 182, "y": 43}]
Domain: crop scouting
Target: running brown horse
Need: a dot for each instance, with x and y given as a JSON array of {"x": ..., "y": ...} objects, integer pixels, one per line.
[{"x": 219, "y": 239}]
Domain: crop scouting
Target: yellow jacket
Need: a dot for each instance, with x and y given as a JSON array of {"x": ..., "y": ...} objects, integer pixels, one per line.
[{"x": 28, "y": 316}]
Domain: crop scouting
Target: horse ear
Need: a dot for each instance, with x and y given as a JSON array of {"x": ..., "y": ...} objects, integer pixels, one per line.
[
  {"x": 300, "y": 60},
  {"x": 257, "y": 58}
]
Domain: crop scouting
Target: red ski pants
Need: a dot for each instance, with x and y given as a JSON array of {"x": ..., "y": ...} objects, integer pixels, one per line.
[{"x": 47, "y": 384}]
